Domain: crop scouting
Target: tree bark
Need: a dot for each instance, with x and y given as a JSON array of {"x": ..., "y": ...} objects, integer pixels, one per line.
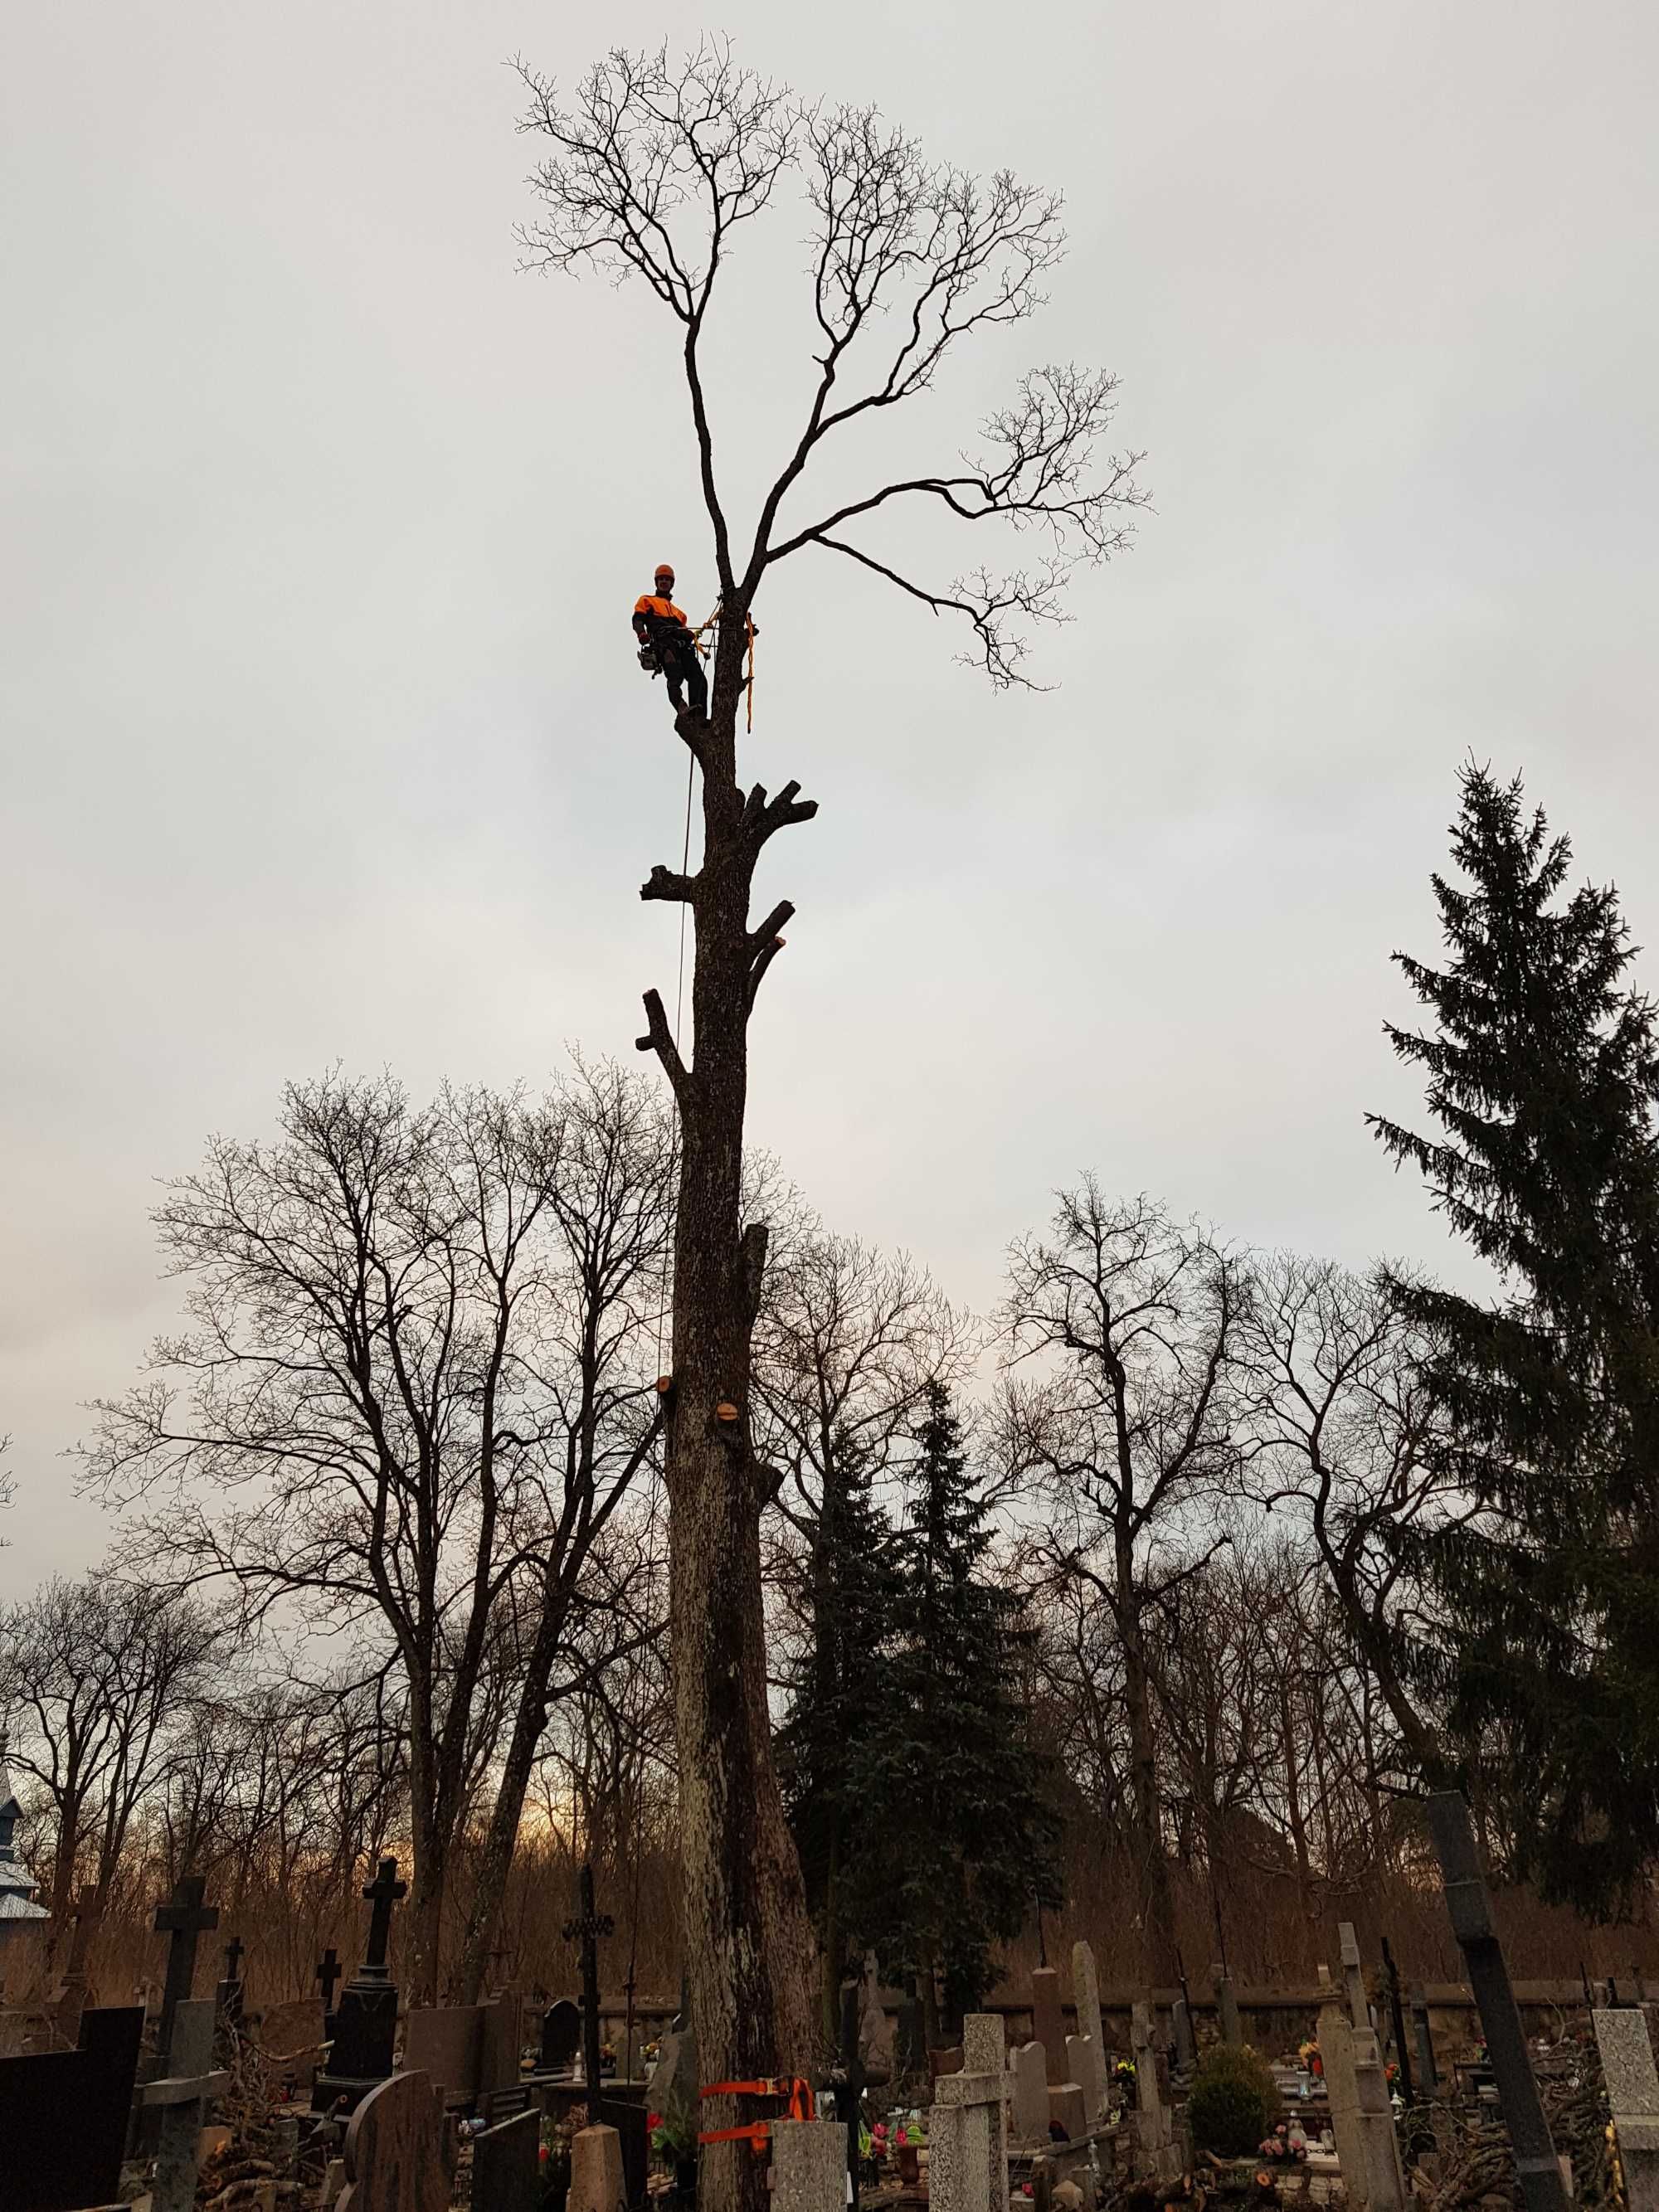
[{"x": 747, "y": 1938}]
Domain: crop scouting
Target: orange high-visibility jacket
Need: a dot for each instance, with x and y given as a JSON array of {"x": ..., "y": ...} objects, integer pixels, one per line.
[{"x": 649, "y": 611}]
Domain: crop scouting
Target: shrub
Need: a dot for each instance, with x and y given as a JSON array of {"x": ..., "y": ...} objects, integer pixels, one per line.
[{"x": 1234, "y": 2101}]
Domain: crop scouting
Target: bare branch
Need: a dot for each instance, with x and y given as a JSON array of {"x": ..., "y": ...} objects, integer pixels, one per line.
[
  {"x": 668, "y": 884},
  {"x": 660, "y": 1039}
]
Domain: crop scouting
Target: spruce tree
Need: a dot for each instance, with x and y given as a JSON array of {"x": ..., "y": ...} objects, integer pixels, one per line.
[
  {"x": 958, "y": 1833},
  {"x": 839, "y": 1694},
  {"x": 1543, "y": 1073}
]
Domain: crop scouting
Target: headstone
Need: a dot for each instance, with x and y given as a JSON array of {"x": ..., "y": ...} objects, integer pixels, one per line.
[
  {"x": 1632, "y": 2085},
  {"x": 967, "y": 2127},
  {"x": 1047, "y": 2020},
  {"x": 398, "y": 2157},
  {"x": 1028, "y": 2119},
  {"x": 506, "y": 2166},
  {"x": 596, "y": 2171},
  {"x": 180, "y": 2097},
  {"x": 500, "y": 2042},
  {"x": 366, "y": 2019},
  {"x": 561, "y": 2035},
  {"x": 1154, "y": 2120},
  {"x": 809, "y": 2165},
  {"x": 1186, "y": 2047},
  {"x": 1385, "y": 2180},
  {"x": 1536, "y": 2167},
  {"x": 633, "y": 2140},
  {"x": 1336, "y": 2056},
  {"x": 1227, "y": 2009},
  {"x": 1085, "y": 1995},
  {"x": 442, "y": 2042},
  {"x": 68, "y": 1999},
  {"x": 1067, "y": 2111},
  {"x": 1427, "y": 2075},
  {"x": 184, "y": 1919},
  {"x": 63, "y": 2116},
  {"x": 1085, "y": 2062}
]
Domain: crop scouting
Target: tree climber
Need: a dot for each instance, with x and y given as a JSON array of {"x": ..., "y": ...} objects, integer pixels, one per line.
[{"x": 665, "y": 642}]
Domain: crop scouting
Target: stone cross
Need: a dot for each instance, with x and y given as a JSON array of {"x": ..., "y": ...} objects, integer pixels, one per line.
[
  {"x": 328, "y": 1970},
  {"x": 1536, "y": 2166},
  {"x": 1385, "y": 2180},
  {"x": 1632, "y": 2085},
  {"x": 968, "y": 2124},
  {"x": 235, "y": 1951},
  {"x": 382, "y": 1894},
  {"x": 589, "y": 1926},
  {"x": 1181, "y": 2022},
  {"x": 184, "y": 1919},
  {"x": 1353, "y": 1975},
  {"x": 1336, "y": 2056},
  {"x": 181, "y": 2096}
]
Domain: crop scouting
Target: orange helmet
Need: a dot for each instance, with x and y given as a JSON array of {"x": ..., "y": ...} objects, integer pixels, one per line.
[{"x": 664, "y": 568}]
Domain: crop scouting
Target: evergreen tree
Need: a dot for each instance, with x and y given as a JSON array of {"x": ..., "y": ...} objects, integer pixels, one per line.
[
  {"x": 839, "y": 1694},
  {"x": 1543, "y": 1073},
  {"x": 957, "y": 1835}
]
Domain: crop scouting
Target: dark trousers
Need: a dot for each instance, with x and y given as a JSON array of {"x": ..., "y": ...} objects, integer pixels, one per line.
[{"x": 677, "y": 657}]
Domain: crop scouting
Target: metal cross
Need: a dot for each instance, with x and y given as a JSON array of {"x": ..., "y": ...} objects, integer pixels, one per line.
[
  {"x": 590, "y": 1926},
  {"x": 233, "y": 1951}
]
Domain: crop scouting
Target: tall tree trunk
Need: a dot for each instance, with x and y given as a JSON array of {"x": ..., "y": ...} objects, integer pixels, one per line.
[
  {"x": 1158, "y": 1900},
  {"x": 749, "y": 1942}
]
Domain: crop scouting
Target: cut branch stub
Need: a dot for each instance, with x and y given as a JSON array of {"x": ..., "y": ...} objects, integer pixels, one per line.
[{"x": 668, "y": 884}]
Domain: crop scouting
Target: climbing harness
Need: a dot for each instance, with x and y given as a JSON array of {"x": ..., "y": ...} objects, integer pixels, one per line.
[
  {"x": 712, "y": 621},
  {"x": 758, "y": 2133}
]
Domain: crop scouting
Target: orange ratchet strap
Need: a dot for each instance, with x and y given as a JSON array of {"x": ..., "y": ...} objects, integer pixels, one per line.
[{"x": 758, "y": 2133}]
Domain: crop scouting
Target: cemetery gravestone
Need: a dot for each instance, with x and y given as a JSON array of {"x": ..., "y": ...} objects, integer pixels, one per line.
[
  {"x": 1336, "y": 2054},
  {"x": 1186, "y": 2047},
  {"x": 809, "y": 2165},
  {"x": 1353, "y": 1975},
  {"x": 1385, "y": 2180},
  {"x": 596, "y": 2171},
  {"x": 366, "y": 2023},
  {"x": 442, "y": 2042},
  {"x": 629, "y": 2123},
  {"x": 1087, "y": 2064},
  {"x": 180, "y": 2097},
  {"x": 1154, "y": 2121},
  {"x": 1427, "y": 2074},
  {"x": 588, "y": 1926},
  {"x": 398, "y": 2150},
  {"x": 1047, "y": 2021},
  {"x": 500, "y": 2043},
  {"x": 68, "y": 1999},
  {"x": 968, "y": 2128},
  {"x": 1030, "y": 2087},
  {"x": 1227, "y": 2009},
  {"x": 1632, "y": 2085},
  {"x": 506, "y": 2166},
  {"x": 63, "y": 2116},
  {"x": 328, "y": 1970},
  {"x": 561, "y": 2035},
  {"x": 875, "y": 2030},
  {"x": 184, "y": 1919}
]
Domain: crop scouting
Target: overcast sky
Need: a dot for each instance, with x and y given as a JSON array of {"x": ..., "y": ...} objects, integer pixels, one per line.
[{"x": 323, "y": 737}]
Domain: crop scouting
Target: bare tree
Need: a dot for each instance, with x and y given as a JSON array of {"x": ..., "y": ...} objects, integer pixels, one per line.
[
  {"x": 653, "y": 168},
  {"x": 1129, "y": 1425},
  {"x": 1340, "y": 1410},
  {"x": 417, "y": 1388},
  {"x": 95, "y": 1680}
]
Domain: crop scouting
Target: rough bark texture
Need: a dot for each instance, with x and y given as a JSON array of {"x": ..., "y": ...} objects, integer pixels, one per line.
[{"x": 749, "y": 1940}]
